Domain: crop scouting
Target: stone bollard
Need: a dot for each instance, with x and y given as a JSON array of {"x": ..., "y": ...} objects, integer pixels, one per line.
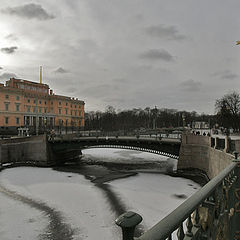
[
  {"x": 236, "y": 155},
  {"x": 128, "y": 222}
]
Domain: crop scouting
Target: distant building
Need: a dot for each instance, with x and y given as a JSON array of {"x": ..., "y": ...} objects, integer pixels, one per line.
[
  {"x": 200, "y": 125},
  {"x": 29, "y": 104}
]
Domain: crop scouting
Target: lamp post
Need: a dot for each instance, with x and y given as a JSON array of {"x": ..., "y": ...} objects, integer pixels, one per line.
[
  {"x": 155, "y": 117},
  {"x": 66, "y": 125},
  {"x": 45, "y": 124}
]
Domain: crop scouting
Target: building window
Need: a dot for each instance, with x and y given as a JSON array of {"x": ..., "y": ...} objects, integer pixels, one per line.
[
  {"x": 40, "y": 109},
  {"x": 34, "y": 109},
  {"x": 66, "y": 104},
  {"x": 51, "y": 110},
  {"x": 45, "y": 102},
  {"x": 28, "y": 108},
  {"x": 17, "y": 107},
  {"x": 79, "y": 112},
  {"x": 45, "y": 110},
  {"x": 75, "y": 106},
  {"x": 75, "y": 112},
  {"x": 34, "y": 101},
  {"x": 60, "y": 103},
  {"x": 51, "y": 102},
  {"x": 6, "y": 120},
  {"x": 71, "y": 112},
  {"x": 28, "y": 100},
  {"x": 7, "y": 96},
  {"x": 59, "y": 111},
  {"x": 17, "y": 120},
  {"x": 17, "y": 98},
  {"x": 66, "y": 111},
  {"x": 6, "y": 106},
  {"x": 40, "y": 102},
  {"x": 71, "y": 105}
]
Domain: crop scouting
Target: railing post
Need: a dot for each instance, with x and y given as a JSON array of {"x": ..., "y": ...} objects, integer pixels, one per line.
[
  {"x": 235, "y": 214},
  {"x": 128, "y": 222}
]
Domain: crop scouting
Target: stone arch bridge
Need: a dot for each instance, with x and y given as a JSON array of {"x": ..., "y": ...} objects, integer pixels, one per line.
[
  {"x": 63, "y": 149},
  {"x": 42, "y": 151}
]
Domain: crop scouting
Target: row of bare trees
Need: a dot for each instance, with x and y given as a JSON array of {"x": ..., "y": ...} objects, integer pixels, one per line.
[
  {"x": 138, "y": 118},
  {"x": 227, "y": 115}
]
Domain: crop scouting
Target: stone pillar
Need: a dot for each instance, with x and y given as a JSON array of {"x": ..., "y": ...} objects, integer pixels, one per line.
[
  {"x": 184, "y": 139},
  {"x": 210, "y": 141},
  {"x": 226, "y": 149},
  {"x": 216, "y": 142}
]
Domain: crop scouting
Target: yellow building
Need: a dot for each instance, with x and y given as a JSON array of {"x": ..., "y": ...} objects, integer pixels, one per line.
[{"x": 29, "y": 104}]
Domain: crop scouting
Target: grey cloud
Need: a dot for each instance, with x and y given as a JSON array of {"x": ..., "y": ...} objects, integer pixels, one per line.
[
  {"x": 157, "y": 54},
  {"x": 165, "y": 32},
  {"x": 115, "y": 100},
  {"x": 29, "y": 11},
  {"x": 227, "y": 74},
  {"x": 9, "y": 50},
  {"x": 6, "y": 76},
  {"x": 11, "y": 37},
  {"x": 120, "y": 80},
  {"x": 1, "y": 68},
  {"x": 71, "y": 90},
  {"x": 191, "y": 85},
  {"x": 61, "y": 70},
  {"x": 101, "y": 91}
]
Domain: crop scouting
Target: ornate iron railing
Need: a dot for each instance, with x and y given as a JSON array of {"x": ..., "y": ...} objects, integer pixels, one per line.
[{"x": 211, "y": 213}]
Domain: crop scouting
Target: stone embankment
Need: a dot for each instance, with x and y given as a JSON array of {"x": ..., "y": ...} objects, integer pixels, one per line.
[
  {"x": 33, "y": 150},
  {"x": 206, "y": 154}
]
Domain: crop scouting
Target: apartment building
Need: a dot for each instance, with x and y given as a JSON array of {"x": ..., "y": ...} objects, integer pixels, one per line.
[{"x": 29, "y": 104}]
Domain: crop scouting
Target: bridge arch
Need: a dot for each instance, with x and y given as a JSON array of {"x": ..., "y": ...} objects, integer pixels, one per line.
[
  {"x": 135, "y": 149},
  {"x": 63, "y": 148}
]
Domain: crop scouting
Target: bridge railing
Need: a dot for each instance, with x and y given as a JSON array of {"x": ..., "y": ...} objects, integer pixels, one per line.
[
  {"x": 158, "y": 135},
  {"x": 211, "y": 213}
]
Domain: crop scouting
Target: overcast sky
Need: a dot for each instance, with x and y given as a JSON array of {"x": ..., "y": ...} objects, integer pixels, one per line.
[{"x": 125, "y": 53}]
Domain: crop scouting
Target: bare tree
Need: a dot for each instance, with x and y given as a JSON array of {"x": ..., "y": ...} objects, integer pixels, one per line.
[{"x": 228, "y": 110}]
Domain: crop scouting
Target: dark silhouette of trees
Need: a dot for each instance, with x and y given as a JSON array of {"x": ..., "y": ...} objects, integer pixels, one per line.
[
  {"x": 139, "y": 119},
  {"x": 228, "y": 110}
]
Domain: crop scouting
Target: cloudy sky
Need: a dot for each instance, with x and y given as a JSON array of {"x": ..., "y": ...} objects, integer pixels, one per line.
[{"x": 125, "y": 53}]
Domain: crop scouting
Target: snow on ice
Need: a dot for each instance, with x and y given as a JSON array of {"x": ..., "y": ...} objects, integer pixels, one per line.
[{"x": 81, "y": 203}]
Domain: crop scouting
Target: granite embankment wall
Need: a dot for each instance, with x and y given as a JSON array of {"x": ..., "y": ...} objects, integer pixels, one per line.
[
  {"x": 207, "y": 154},
  {"x": 32, "y": 150}
]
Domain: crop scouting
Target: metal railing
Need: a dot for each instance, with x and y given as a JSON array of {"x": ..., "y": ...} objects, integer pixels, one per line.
[
  {"x": 211, "y": 213},
  {"x": 121, "y": 133}
]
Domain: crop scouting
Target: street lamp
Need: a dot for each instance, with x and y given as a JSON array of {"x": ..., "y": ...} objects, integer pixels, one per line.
[
  {"x": 45, "y": 124},
  {"x": 66, "y": 125}
]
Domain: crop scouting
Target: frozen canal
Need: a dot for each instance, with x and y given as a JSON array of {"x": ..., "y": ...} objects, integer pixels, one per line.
[{"x": 82, "y": 202}]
